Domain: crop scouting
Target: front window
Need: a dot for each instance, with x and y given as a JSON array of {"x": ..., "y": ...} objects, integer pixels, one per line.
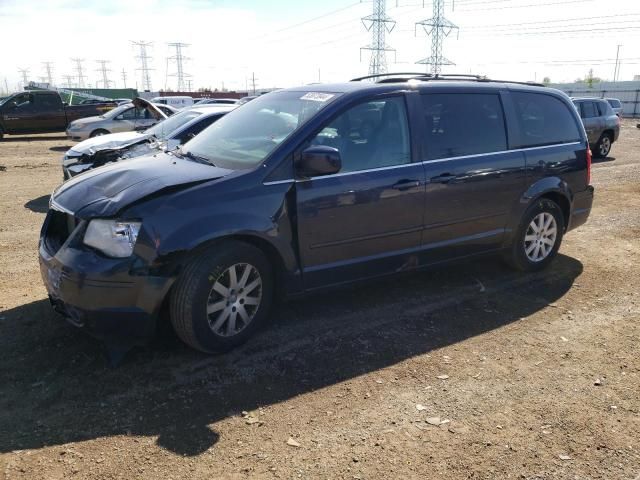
[
  {"x": 162, "y": 129},
  {"x": 247, "y": 135},
  {"x": 117, "y": 111}
]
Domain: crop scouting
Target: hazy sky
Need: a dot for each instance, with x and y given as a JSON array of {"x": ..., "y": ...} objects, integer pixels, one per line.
[{"x": 291, "y": 42}]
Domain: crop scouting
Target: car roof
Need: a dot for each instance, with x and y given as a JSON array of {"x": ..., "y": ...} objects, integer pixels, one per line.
[
  {"x": 591, "y": 99},
  {"x": 420, "y": 85}
]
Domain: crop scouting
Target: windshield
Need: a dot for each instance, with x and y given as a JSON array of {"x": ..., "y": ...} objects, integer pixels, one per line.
[
  {"x": 117, "y": 111},
  {"x": 3, "y": 99},
  {"x": 246, "y": 136},
  {"x": 162, "y": 129}
]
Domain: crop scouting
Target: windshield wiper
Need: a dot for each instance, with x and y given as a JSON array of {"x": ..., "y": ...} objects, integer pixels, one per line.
[{"x": 191, "y": 156}]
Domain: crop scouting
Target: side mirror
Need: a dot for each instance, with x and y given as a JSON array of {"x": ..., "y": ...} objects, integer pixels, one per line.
[{"x": 319, "y": 160}]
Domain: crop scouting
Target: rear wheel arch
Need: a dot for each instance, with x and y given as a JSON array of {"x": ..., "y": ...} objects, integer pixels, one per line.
[{"x": 609, "y": 133}]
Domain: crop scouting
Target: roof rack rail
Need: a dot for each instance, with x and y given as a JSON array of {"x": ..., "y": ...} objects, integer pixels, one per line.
[
  {"x": 378, "y": 75},
  {"x": 425, "y": 77}
]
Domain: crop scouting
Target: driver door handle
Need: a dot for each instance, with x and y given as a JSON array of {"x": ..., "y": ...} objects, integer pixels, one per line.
[
  {"x": 444, "y": 178},
  {"x": 406, "y": 184}
]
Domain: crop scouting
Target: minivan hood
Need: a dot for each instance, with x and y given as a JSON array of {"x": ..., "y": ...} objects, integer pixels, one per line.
[
  {"x": 106, "y": 142},
  {"x": 105, "y": 191}
]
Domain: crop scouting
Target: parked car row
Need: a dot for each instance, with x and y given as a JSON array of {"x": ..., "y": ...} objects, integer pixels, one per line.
[{"x": 314, "y": 187}]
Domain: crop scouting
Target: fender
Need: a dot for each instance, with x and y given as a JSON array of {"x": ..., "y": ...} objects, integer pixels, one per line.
[{"x": 543, "y": 186}]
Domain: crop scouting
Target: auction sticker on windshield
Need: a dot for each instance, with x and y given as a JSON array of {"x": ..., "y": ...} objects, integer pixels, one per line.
[{"x": 317, "y": 96}]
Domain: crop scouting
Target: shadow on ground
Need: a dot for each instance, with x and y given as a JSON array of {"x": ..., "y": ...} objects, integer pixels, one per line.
[
  {"x": 38, "y": 205},
  {"x": 603, "y": 160},
  {"x": 56, "y": 388},
  {"x": 28, "y": 138},
  {"x": 63, "y": 148}
]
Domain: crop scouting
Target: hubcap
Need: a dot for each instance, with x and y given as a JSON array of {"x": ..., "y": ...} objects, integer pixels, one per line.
[
  {"x": 234, "y": 299},
  {"x": 605, "y": 145},
  {"x": 540, "y": 237}
]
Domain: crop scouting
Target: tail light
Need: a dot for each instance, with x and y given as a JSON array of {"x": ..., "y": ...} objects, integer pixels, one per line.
[{"x": 588, "y": 165}]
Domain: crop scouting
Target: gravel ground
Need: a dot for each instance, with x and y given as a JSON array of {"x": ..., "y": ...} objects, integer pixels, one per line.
[{"x": 470, "y": 371}]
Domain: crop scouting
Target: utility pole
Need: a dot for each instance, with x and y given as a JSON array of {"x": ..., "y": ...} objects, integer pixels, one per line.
[
  {"x": 124, "y": 78},
  {"x": 79, "y": 72},
  {"x": 253, "y": 82},
  {"x": 179, "y": 60},
  {"x": 616, "y": 70},
  {"x": 144, "y": 58},
  {"x": 25, "y": 79},
  {"x": 379, "y": 24},
  {"x": 103, "y": 70},
  {"x": 437, "y": 27},
  {"x": 6, "y": 85},
  {"x": 189, "y": 85},
  {"x": 48, "y": 67}
]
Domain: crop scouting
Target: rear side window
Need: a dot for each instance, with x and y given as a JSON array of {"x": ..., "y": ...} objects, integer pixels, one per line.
[
  {"x": 47, "y": 101},
  {"x": 544, "y": 120},
  {"x": 588, "y": 110},
  {"x": 461, "y": 124},
  {"x": 614, "y": 102},
  {"x": 603, "y": 109}
]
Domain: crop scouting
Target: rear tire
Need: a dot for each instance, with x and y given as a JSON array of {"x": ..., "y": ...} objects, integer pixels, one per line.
[
  {"x": 222, "y": 297},
  {"x": 533, "y": 250},
  {"x": 603, "y": 147},
  {"x": 98, "y": 133}
]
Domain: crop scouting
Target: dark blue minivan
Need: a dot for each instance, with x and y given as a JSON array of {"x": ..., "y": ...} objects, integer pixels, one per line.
[{"x": 312, "y": 187}]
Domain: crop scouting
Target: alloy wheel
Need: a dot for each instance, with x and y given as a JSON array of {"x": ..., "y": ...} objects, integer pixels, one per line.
[
  {"x": 540, "y": 237},
  {"x": 234, "y": 299},
  {"x": 605, "y": 146}
]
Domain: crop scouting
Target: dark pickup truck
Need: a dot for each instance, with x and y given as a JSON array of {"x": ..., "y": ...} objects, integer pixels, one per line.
[{"x": 42, "y": 111}]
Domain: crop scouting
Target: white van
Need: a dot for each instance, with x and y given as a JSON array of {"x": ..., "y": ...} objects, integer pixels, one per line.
[{"x": 177, "y": 101}]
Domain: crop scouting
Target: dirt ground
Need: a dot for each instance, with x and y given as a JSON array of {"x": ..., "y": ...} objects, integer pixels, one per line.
[{"x": 472, "y": 371}]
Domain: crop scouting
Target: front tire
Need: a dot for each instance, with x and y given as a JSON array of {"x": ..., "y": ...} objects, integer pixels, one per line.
[
  {"x": 538, "y": 238},
  {"x": 98, "y": 133},
  {"x": 222, "y": 297},
  {"x": 603, "y": 147}
]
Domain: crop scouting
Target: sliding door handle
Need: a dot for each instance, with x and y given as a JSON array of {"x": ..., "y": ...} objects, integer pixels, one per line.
[
  {"x": 444, "y": 178},
  {"x": 406, "y": 184}
]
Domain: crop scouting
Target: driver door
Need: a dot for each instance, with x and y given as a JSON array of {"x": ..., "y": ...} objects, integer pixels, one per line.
[
  {"x": 365, "y": 220},
  {"x": 126, "y": 121}
]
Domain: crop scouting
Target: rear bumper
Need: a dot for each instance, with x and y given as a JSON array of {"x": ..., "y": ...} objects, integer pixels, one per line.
[
  {"x": 581, "y": 208},
  {"x": 101, "y": 296}
]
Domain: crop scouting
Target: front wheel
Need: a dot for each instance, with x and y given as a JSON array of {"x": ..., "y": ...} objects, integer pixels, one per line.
[
  {"x": 98, "y": 133},
  {"x": 538, "y": 237},
  {"x": 222, "y": 297}
]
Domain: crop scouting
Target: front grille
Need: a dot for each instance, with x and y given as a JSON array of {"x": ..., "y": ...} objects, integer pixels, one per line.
[{"x": 60, "y": 226}]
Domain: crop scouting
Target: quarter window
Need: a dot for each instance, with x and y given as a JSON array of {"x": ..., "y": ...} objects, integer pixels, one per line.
[
  {"x": 370, "y": 135},
  {"x": 544, "y": 120},
  {"x": 588, "y": 110},
  {"x": 463, "y": 124}
]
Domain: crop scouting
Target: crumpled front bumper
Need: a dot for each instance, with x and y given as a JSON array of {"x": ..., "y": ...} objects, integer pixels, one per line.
[{"x": 101, "y": 295}]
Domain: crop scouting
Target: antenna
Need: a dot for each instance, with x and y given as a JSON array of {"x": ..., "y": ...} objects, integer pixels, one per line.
[
  {"x": 79, "y": 73},
  {"x": 179, "y": 60},
  {"x": 103, "y": 70},
  {"x": 438, "y": 27},
  {"x": 379, "y": 23},
  {"x": 48, "y": 67},
  {"x": 144, "y": 58}
]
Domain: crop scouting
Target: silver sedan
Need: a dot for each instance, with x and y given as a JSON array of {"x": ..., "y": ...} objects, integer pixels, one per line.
[{"x": 138, "y": 115}]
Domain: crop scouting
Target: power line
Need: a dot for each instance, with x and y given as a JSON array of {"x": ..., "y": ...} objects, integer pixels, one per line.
[
  {"x": 378, "y": 23},
  {"x": 144, "y": 58},
  {"x": 437, "y": 27},
  {"x": 179, "y": 60},
  {"x": 103, "y": 71}
]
